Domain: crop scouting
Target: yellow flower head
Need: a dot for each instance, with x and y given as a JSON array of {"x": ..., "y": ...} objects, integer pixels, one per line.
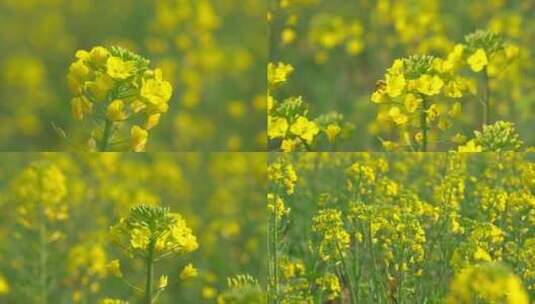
[
  {"x": 470, "y": 146},
  {"x": 378, "y": 96},
  {"x": 429, "y": 85},
  {"x": 488, "y": 282},
  {"x": 305, "y": 129},
  {"x": 99, "y": 56},
  {"x": 395, "y": 83},
  {"x": 188, "y": 272},
  {"x": 278, "y": 73},
  {"x": 397, "y": 116},
  {"x": 289, "y": 145},
  {"x": 138, "y": 138},
  {"x": 412, "y": 102},
  {"x": 78, "y": 74},
  {"x": 115, "y": 111},
  {"x": 157, "y": 91},
  {"x": 332, "y": 131},
  {"x": 152, "y": 121},
  {"x": 277, "y": 127},
  {"x": 478, "y": 60},
  {"x": 117, "y": 68},
  {"x": 163, "y": 281},
  {"x": 140, "y": 237}
]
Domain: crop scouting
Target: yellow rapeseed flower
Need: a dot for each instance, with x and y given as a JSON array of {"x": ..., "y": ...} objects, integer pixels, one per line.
[
  {"x": 429, "y": 85},
  {"x": 332, "y": 131},
  {"x": 139, "y": 238},
  {"x": 157, "y": 91},
  {"x": 188, "y": 272},
  {"x": 397, "y": 116},
  {"x": 138, "y": 138},
  {"x": 278, "y": 73},
  {"x": 117, "y": 68},
  {"x": 395, "y": 83},
  {"x": 115, "y": 111},
  {"x": 478, "y": 60},
  {"x": 412, "y": 102},
  {"x": 305, "y": 129},
  {"x": 470, "y": 146},
  {"x": 163, "y": 282},
  {"x": 277, "y": 127}
]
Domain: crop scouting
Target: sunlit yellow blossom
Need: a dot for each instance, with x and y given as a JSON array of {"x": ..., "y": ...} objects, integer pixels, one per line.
[
  {"x": 412, "y": 102},
  {"x": 289, "y": 145},
  {"x": 277, "y": 127},
  {"x": 305, "y": 129},
  {"x": 78, "y": 75},
  {"x": 138, "y": 138},
  {"x": 429, "y": 85},
  {"x": 395, "y": 84},
  {"x": 115, "y": 111},
  {"x": 163, "y": 281},
  {"x": 482, "y": 255},
  {"x": 332, "y": 131},
  {"x": 397, "y": 116},
  {"x": 140, "y": 237},
  {"x": 117, "y": 68},
  {"x": 157, "y": 91},
  {"x": 152, "y": 121},
  {"x": 99, "y": 56},
  {"x": 278, "y": 73},
  {"x": 478, "y": 60},
  {"x": 489, "y": 283},
  {"x": 188, "y": 272},
  {"x": 470, "y": 146},
  {"x": 378, "y": 96}
]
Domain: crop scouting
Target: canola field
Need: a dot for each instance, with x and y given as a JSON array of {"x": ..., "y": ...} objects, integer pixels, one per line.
[
  {"x": 404, "y": 75},
  {"x": 401, "y": 228}
]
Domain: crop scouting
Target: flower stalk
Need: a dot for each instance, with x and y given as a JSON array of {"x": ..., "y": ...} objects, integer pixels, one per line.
[
  {"x": 150, "y": 274},
  {"x": 423, "y": 124},
  {"x": 486, "y": 97}
]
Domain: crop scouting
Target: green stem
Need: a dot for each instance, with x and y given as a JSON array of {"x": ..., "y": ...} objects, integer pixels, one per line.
[
  {"x": 423, "y": 124},
  {"x": 43, "y": 259},
  {"x": 349, "y": 274},
  {"x": 275, "y": 253},
  {"x": 486, "y": 98},
  {"x": 150, "y": 274},
  {"x": 106, "y": 135}
]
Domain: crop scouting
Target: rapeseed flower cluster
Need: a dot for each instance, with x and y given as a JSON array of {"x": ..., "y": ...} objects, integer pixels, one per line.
[
  {"x": 288, "y": 122},
  {"x": 484, "y": 76},
  {"x": 115, "y": 89}
]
